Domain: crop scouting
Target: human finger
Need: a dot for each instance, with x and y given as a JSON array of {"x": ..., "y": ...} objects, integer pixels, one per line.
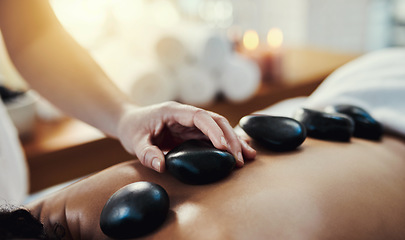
[
  {"x": 247, "y": 150},
  {"x": 150, "y": 155},
  {"x": 234, "y": 145},
  {"x": 202, "y": 120},
  {"x": 245, "y": 140}
]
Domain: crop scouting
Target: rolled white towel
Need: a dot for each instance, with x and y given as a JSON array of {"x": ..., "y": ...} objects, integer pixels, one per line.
[
  {"x": 207, "y": 48},
  {"x": 151, "y": 87},
  {"x": 240, "y": 78},
  {"x": 171, "y": 51},
  {"x": 216, "y": 51},
  {"x": 193, "y": 44},
  {"x": 196, "y": 86}
]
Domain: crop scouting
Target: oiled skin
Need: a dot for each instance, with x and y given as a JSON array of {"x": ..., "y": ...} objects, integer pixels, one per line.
[{"x": 324, "y": 190}]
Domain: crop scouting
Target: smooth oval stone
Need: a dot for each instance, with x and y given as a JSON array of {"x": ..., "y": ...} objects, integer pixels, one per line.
[
  {"x": 327, "y": 126},
  {"x": 365, "y": 126},
  {"x": 275, "y": 133},
  {"x": 199, "y": 162},
  {"x": 134, "y": 210}
]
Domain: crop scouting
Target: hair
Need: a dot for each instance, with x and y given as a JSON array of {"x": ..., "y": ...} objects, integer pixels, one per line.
[{"x": 20, "y": 223}]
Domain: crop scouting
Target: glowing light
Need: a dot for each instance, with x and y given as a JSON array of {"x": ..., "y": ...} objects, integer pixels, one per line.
[
  {"x": 250, "y": 40},
  {"x": 128, "y": 11},
  {"x": 83, "y": 19},
  {"x": 275, "y": 38},
  {"x": 165, "y": 13}
]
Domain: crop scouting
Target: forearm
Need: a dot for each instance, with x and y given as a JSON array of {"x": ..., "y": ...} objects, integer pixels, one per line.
[
  {"x": 62, "y": 71},
  {"x": 67, "y": 76}
]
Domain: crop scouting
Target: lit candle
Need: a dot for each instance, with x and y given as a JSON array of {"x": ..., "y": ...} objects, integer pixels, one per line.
[
  {"x": 251, "y": 40},
  {"x": 272, "y": 58},
  {"x": 266, "y": 54},
  {"x": 250, "y": 45}
]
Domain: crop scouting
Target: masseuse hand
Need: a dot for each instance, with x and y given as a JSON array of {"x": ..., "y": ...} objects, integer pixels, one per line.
[{"x": 147, "y": 131}]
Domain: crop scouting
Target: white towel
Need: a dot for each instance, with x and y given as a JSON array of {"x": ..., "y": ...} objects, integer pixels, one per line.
[
  {"x": 240, "y": 78},
  {"x": 152, "y": 87},
  {"x": 215, "y": 51},
  {"x": 13, "y": 168},
  {"x": 374, "y": 82},
  {"x": 196, "y": 86},
  {"x": 171, "y": 52},
  {"x": 193, "y": 44}
]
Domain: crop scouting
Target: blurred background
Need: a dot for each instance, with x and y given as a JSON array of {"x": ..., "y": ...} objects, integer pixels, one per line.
[
  {"x": 344, "y": 25},
  {"x": 196, "y": 50}
]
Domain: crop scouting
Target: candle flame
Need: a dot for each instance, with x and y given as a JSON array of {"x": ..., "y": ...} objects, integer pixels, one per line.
[
  {"x": 251, "y": 40},
  {"x": 275, "y": 38}
]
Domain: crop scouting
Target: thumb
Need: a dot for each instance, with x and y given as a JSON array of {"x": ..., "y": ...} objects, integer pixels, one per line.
[{"x": 150, "y": 155}]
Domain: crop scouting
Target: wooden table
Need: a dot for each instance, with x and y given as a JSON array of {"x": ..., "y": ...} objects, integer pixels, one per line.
[{"x": 61, "y": 151}]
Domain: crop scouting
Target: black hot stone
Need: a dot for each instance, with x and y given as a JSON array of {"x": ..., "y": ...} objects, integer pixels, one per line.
[
  {"x": 365, "y": 126},
  {"x": 327, "y": 126},
  {"x": 199, "y": 162},
  {"x": 134, "y": 210},
  {"x": 274, "y": 133}
]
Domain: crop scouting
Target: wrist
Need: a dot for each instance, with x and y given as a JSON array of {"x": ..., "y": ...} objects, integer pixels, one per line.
[{"x": 117, "y": 116}]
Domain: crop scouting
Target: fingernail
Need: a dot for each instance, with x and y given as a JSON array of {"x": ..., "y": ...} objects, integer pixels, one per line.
[
  {"x": 156, "y": 164},
  {"x": 223, "y": 141},
  {"x": 247, "y": 145},
  {"x": 240, "y": 158}
]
